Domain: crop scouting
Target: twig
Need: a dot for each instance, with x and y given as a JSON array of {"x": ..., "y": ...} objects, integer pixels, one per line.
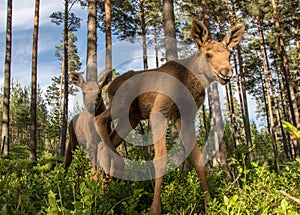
[
  {"x": 235, "y": 180},
  {"x": 290, "y": 197},
  {"x": 192, "y": 210},
  {"x": 122, "y": 200}
]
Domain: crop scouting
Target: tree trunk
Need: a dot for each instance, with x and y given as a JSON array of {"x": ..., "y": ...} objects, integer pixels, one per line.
[
  {"x": 33, "y": 120},
  {"x": 242, "y": 91},
  {"x": 286, "y": 143},
  {"x": 245, "y": 104},
  {"x": 156, "y": 46},
  {"x": 63, "y": 132},
  {"x": 278, "y": 124},
  {"x": 204, "y": 122},
  {"x": 91, "y": 59},
  {"x": 60, "y": 102},
  {"x": 267, "y": 75},
  {"x": 230, "y": 103},
  {"x": 6, "y": 97},
  {"x": 285, "y": 66},
  {"x": 108, "y": 41},
  {"x": 287, "y": 110},
  {"x": 169, "y": 29},
  {"x": 143, "y": 26},
  {"x": 216, "y": 141},
  {"x": 238, "y": 83},
  {"x": 296, "y": 33}
]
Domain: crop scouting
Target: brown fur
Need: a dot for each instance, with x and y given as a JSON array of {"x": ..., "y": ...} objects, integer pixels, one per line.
[
  {"x": 81, "y": 128},
  {"x": 210, "y": 63}
]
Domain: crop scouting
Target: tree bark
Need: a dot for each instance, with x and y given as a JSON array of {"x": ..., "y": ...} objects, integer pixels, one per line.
[
  {"x": 33, "y": 109},
  {"x": 242, "y": 90},
  {"x": 7, "y": 73},
  {"x": 63, "y": 132},
  {"x": 231, "y": 110},
  {"x": 267, "y": 74},
  {"x": 156, "y": 46},
  {"x": 108, "y": 40},
  {"x": 239, "y": 90},
  {"x": 245, "y": 104},
  {"x": 287, "y": 147},
  {"x": 91, "y": 59},
  {"x": 169, "y": 29},
  {"x": 60, "y": 102},
  {"x": 284, "y": 60},
  {"x": 216, "y": 141},
  {"x": 143, "y": 26}
]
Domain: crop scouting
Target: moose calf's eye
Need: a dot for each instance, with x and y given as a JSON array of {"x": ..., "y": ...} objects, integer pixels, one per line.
[{"x": 208, "y": 55}]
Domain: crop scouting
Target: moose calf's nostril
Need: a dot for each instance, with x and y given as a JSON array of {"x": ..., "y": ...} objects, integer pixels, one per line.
[{"x": 226, "y": 72}]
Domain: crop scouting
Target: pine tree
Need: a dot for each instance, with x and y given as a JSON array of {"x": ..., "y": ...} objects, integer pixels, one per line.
[
  {"x": 33, "y": 107},
  {"x": 5, "y": 140},
  {"x": 71, "y": 23}
]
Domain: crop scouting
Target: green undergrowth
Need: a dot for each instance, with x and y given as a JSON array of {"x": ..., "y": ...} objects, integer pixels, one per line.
[{"x": 46, "y": 188}]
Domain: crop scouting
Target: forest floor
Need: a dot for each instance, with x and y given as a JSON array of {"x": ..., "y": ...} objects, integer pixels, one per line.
[{"x": 46, "y": 188}]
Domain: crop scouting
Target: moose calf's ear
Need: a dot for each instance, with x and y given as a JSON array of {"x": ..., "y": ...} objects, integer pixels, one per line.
[
  {"x": 105, "y": 79},
  {"x": 233, "y": 36},
  {"x": 77, "y": 79},
  {"x": 199, "y": 32}
]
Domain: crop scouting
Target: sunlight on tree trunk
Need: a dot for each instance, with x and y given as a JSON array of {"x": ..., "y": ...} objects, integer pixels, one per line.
[
  {"x": 284, "y": 60},
  {"x": 170, "y": 30},
  {"x": 64, "y": 120},
  {"x": 33, "y": 108},
  {"x": 108, "y": 59},
  {"x": 267, "y": 78},
  {"x": 216, "y": 118},
  {"x": 5, "y": 141},
  {"x": 91, "y": 59},
  {"x": 143, "y": 26}
]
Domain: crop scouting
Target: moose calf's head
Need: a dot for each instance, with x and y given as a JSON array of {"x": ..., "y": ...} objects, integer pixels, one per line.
[
  {"x": 216, "y": 54},
  {"x": 90, "y": 89}
]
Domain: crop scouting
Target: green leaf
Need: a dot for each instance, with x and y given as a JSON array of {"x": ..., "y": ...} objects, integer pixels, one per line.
[
  {"x": 226, "y": 201},
  {"x": 259, "y": 211},
  {"x": 284, "y": 204}
]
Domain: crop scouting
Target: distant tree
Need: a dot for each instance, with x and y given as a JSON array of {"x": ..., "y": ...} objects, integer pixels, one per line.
[
  {"x": 240, "y": 78},
  {"x": 294, "y": 109},
  {"x": 74, "y": 66},
  {"x": 42, "y": 119},
  {"x": 5, "y": 141},
  {"x": 33, "y": 112},
  {"x": 53, "y": 102},
  {"x": 71, "y": 23},
  {"x": 20, "y": 114},
  {"x": 130, "y": 19},
  {"x": 124, "y": 18}
]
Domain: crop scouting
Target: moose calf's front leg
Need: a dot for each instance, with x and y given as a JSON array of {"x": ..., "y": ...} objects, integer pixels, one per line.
[
  {"x": 199, "y": 164},
  {"x": 158, "y": 125},
  {"x": 186, "y": 130},
  {"x": 109, "y": 159}
]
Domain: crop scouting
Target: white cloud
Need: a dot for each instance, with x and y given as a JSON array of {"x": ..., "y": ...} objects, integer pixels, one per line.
[
  {"x": 49, "y": 37},
  {"x": 23, "y": 13}
]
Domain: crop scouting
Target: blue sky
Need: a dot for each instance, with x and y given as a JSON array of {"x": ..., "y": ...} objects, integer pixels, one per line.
[
  {"x": 125, "y": 55},
  {"x": 49, "y": 37}
]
